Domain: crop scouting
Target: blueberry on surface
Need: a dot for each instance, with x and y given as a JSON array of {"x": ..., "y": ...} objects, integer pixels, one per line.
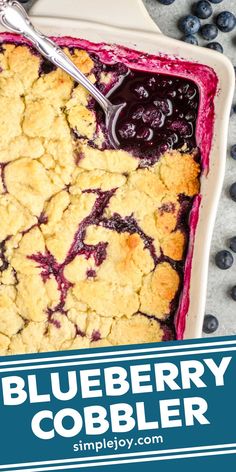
[
  {"x": 215, "y": 1},
  {"x": 189, "y": 24},
  {"x": 191, "y": 39},
  {"x": 226, "y": 21},
  {"x": 215, "y": 46},
  {"x": 232, "y": 191},
  {"x": 233, "y": 293},
  {"x": 209, "y": 31},
  {"x": 210, "y": 324},
  {"x": 203, "y": 9},
  {"x": 233, "y": 151},
  {"x": 166, "y": 2},
  {"x": 232, "y": 243},
  {"x": 224, "y": 259}
]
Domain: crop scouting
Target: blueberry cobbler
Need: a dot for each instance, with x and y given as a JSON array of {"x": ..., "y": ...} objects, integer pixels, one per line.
[{"x": 96, "y": 243}]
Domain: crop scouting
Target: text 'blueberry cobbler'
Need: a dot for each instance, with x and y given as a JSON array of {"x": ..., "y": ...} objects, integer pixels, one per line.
[{"x": 93, "y": 240}]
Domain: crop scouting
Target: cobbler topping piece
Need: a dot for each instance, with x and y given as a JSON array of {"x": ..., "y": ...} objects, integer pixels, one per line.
[
  {"x": 92, "y": 239},
  {"x": 158, "y": 290},
  {"x": 110, "y": 160},
  {"x": 138, "y": 329}
]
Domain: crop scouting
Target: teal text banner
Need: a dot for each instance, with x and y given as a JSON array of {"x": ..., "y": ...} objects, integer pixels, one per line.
[{"x": 158, "y": 406}]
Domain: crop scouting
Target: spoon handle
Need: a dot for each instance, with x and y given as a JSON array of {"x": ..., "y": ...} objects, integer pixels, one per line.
[{"x": 14, "y": 17}]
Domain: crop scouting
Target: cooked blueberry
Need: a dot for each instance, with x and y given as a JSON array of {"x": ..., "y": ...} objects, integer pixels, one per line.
[
  {"x": 182, "y": 127},
  {"x": 166, "y": 2},
  {"x": 232, "y": 191},
  {"x": 233, "y": 293},
  {"x": 232, "y": 243},
  {"x": 191, "y": 39},
  {"x": 215, "y": 46},
  {"x": 210, "y": 324},
  {"x": 164, "y": 105},
  {"x": 224, "y": 259},
  {"x": 190, "y": 116},
  {"x": 226, "y": 21},
  {"x": 209, "y": 31},
  {"x": 151, "y": 113},
  {"x": 46, "y": 67},
  {"x": 141, "y": 92},
  {"x": 138, "y": 113},
  {"x": 144, "y": 133},
  {"x": 203, "y": 9},
  {"x": 127, "y": 130},
  {"x": 233, "y": 151},
  {"x": 189, "y": 24}
]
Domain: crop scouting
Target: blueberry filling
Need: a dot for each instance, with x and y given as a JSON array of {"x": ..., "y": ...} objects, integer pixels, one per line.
[
  {"x": 2, "y": 177},
  {"x": 46, "y": 67},
  {"x": 91, "y": 274},
  {"x": 96, "y": 336},
  {"x": 79, "y": 332},
  {"x": 4, "y": 264},
  {"x": 52, "y": 268},
  {"x": 160, "y": 114},
  {"x": 128, "y": 224}
]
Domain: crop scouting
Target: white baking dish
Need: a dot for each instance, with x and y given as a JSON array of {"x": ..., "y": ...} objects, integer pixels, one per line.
[{"x": 127, "y": 23}]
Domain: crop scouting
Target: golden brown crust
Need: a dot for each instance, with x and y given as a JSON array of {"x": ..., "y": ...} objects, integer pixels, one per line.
[{"x": 53, "y": 294}]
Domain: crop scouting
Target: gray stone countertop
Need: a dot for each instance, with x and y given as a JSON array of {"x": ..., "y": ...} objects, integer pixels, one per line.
[{"x": 219, "y": 303}]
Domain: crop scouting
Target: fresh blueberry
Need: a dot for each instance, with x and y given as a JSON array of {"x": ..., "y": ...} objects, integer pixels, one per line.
[
  {"x": 233, "y": 293},
  {"x": 203, "y": 9},
  {"x": 224, "y": 259},
  {"x": 189, "y": 24},
  {"x": 191, "y": 39},
  {"x": 215, "y": 1},
  {"x": 232, "y": 243},
  {"x": 166, "y": 2},
  {"x": 232, "y": 191},
  {"x": 226, "y": 21},
  {"x": 210, "y": 324},
  {"x": 215, "y": 46},
  {"x": 209, "y": 32},
  {"x": 233, "y": 151}
]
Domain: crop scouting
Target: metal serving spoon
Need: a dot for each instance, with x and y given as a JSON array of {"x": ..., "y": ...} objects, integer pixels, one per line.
[{"x": 14, "y": 17}]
